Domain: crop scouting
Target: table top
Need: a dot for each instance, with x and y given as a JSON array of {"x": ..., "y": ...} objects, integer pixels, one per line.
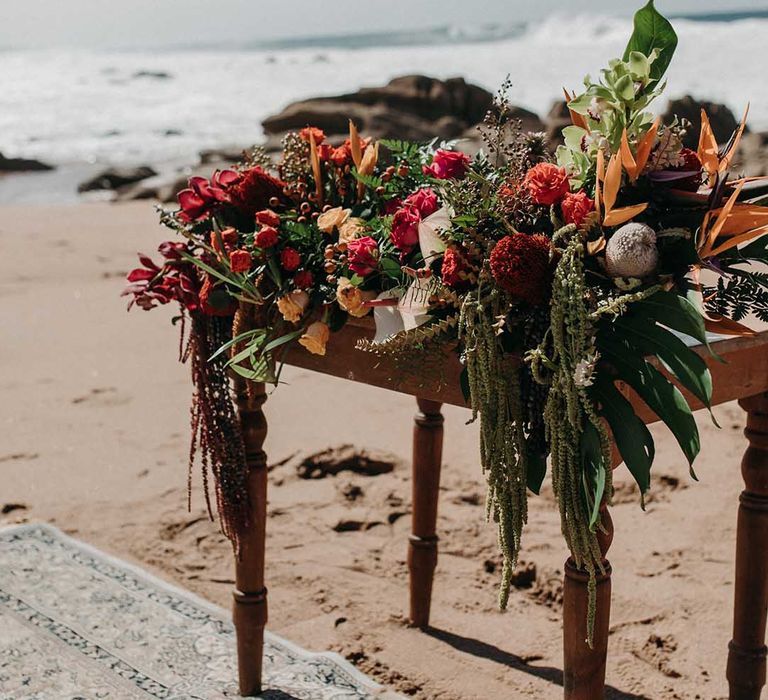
[{"x": 742, "y": 372}]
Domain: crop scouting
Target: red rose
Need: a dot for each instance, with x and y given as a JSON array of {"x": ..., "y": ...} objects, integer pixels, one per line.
[
  {"x": 341, "y": 155},
  {"x": 575, "y": 207},
  {"x": 520, "y": 265},
  {"x": 240, "y": 260},
  {"x": 363, "y": 255},
  {"x": 319, "y": 134},
  {"x": 447, "y": 164},
  {"x": 424, "y": 200},
  {"x": 290, "y": 259},
  {"x": 390, "y": 207},
  {"x": 266, "y": 217},
  {"x": 265, "y": 238},
  {"x": 453, "y": 270},
  {"x": 405, "y": 228},
  {"x": 303, "y": 279},
  {"x": 324, "y": 151},
  {"x": 546, "y": 183}
]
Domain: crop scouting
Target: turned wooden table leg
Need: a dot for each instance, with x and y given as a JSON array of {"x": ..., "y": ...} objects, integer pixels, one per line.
[
  {"x": 250, "y": 594},
  {"x": 747, "y": 650},
  {"x": 422, "y": 546},
  {"x": 584, "y": 667}
]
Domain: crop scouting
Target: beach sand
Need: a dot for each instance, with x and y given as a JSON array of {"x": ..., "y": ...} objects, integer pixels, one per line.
[{"x": 94, "y": 437}]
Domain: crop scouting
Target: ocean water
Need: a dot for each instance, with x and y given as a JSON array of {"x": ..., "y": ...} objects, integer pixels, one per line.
[{"x": 75, "y": 107}]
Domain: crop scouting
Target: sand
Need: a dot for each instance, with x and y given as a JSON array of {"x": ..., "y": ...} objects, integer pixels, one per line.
[{"x": 94, "y": 437}]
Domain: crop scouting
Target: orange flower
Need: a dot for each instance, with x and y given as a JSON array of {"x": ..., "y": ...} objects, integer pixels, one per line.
[{"x": 316, "y": 337}]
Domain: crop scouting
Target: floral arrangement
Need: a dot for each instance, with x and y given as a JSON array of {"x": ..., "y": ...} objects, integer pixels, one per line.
[{"x": 552, "y": 278}]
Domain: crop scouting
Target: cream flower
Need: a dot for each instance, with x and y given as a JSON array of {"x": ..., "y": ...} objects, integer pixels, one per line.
[
  {"x": 351, "y": 298},
  {"x": 316, "y": 337},
  {"x": 293, "y": 305},
  {"x": 333, "y": 218},
  {"x": 350, "y": 229}
]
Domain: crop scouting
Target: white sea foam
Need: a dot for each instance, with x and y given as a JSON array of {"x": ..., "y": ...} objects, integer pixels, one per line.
[{"x": 93, "y": 106}]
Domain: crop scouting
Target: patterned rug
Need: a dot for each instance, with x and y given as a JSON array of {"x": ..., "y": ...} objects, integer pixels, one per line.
[{"x": 78, "y": 624}]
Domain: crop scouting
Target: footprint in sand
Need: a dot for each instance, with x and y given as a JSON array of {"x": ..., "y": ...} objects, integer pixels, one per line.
[
  {"x": 657, "y": 651},
  {"x": 103, "y": 396}
]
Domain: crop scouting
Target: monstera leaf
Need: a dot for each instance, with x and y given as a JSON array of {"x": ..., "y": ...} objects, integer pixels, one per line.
[{"x": 652, "y": 31}]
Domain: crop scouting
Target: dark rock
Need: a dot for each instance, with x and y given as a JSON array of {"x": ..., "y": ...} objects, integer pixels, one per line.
[
  {"x": 115, "y": 178},
  {"x": 154, "y": 74},
  {"x": 413, "y": 107},
  {"x": 222, "y": 155},
  {"x": 556, "y": 120},
  {"x": 723, "y": 121},
  {"x": 18, "y": 165}
]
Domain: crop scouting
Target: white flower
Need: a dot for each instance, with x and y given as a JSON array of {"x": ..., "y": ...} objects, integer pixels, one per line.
[
  {"x": 430, "y": 243},
  {"x": 584, "y": 373}
]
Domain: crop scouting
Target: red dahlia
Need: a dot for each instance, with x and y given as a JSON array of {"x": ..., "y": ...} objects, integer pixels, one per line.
[
  {"x": 254, "y": 190},
  {"x": 520, "y": 266}
]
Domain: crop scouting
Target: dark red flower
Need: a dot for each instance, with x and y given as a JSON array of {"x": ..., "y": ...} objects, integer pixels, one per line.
[
  {"x": 290, "y": 259},
  {"x": 691, "y": 164},
  {"x": 240, "y": 260},
  {"x": 405, "y": 228},
  {"x": 423, "y": 200},
  {"x": 303, "y": 279},
  {"x": 152, "y": 285},
  {"x": 363, "y": 255},
  {"x": 202, "y": 196},
  {"x": 266, "y": 237},
  {"x": 521, "y": 267},
  {"x": 447, "y": 164},
  {"x": 254, "y": 191},
  {"x": 319, "y": 134},
  {"x": 391, "y": 206},
  {"x": 576, "y": 206},
  {"x": 546, "y": 183}
]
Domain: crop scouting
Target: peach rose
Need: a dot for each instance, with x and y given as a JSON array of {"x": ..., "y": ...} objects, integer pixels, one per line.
[
  {"x": 333, "y": 218},
  {"x": 293, "y": 305},
  {"x": 351, "y": 299},
  {"x": 351, "y": 229},
  {"x": 316, "y": 337}
]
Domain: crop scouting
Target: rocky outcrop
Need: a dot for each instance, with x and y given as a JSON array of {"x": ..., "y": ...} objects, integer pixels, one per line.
[
  {"x": 723, "y": 121},
  {"x": 20, "y": 165},
  {"x": 115, "y": 178},
  {"x": 413, "y": 107}
]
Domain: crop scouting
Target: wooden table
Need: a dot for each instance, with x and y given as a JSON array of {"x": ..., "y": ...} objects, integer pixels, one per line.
[{"x": 743, "y": 376}]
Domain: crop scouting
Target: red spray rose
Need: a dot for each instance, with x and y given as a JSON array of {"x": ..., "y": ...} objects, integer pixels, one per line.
[
  {"x": 341, "y": 155},
  {"x": 319, "y": 134},
  {"x": 290, "y": 259},
  {"x": 254, "y": 190},
  {"x": 266, "y": 237},
  {"x": 240, "y": 260},
  {"x": 447, "y": 164},
  {"x": 405, "y": 228},
  {"x": 266, "y": 217},
  {"x": 423, "y": 200},
  {"x": 214, "y": 300},
  {"x": 453, "y": 270},
  {"x": 325, "y": 151},
  {"x": 229, "y": 236},
  {"x": 575, "y": 207},
  {"x": 520, "y": 266},
  {"x": 363, "y": 255},
  {"x": 303, "y": 279},
  {"x": 546, "y": 183}
]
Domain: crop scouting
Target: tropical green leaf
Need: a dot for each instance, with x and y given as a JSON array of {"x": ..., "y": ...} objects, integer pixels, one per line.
[
  {"x": 652, "y": 31},
  {"x": 239, "y": 339},
  {"x": 593, "y": 472},
  {"x": 686, "y": 365},
  {"x": 633, "y": 439},
  {"x": 661, "y": 396},
  {"x": 282, "y": 340},
  {"x": 675, "y": 312}
]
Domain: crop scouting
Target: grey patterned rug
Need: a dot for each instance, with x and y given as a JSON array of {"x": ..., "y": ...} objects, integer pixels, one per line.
[{"x": 76, "y": 624}]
